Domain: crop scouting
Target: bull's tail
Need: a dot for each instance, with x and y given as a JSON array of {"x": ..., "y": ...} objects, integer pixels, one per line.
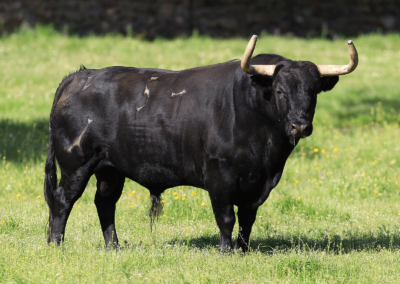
[
  {"x": 50, "y": 182},
  {"x": 50, "y": 178},
  {"x": 156, "y": 207}
]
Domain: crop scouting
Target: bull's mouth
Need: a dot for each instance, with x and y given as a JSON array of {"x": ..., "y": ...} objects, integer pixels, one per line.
[
  {"x": 295, "y": 135},
  {"x": 294, "y": 140}
]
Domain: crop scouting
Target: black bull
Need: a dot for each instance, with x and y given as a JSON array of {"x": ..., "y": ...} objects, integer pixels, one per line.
[{"x": 212, "y": 127}]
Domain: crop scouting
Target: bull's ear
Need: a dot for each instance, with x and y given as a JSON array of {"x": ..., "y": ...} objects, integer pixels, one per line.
[{"x": 327, "y": 83}]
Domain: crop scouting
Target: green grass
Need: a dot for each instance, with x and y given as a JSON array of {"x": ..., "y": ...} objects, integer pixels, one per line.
[{"x": 334, "y": 217}]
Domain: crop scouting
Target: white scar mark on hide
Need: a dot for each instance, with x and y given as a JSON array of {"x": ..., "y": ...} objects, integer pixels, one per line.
[
  {"x": 147, "y": 92},
  {"x": 85, "y": 86},
  {"x": 139, "y": 108},
  {"x": 153, "y": 78},
  {"x": 180, "y": 94},
  {"x": 78, "y": 140}
]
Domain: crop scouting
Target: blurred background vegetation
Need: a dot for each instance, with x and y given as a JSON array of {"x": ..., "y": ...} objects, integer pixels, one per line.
[{"x": 217, "y": 18}]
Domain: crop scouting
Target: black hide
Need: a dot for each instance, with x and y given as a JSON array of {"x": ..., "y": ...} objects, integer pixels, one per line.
[{"x": 212, "y": 127}]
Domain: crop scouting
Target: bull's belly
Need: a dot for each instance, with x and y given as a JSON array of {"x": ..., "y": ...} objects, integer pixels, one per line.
[
  {"x": 158, "y": 176},
  {"x": 156, "y": 166},
  {"x": 155, "y": 154}
]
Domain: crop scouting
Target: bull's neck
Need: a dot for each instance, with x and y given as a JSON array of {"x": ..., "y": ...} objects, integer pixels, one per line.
[{"x": 249, "y": 119}]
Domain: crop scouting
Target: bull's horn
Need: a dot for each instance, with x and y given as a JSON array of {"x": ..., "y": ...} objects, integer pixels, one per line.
[
  {"x": 335, "y": 70},
  {"x": 267, "y": 70}
]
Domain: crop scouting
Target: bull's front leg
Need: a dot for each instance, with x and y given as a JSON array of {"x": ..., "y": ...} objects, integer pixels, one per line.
[
  {"x": 246, "y": 218},
  {"x": 221, "y": 190},
  {"x": 225, "y": 217}
]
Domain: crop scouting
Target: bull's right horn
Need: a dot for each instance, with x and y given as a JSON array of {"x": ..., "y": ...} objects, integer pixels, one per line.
[{"x": 267, "y": 70}]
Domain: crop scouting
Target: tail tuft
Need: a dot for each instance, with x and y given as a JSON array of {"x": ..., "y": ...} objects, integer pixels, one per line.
[{"x": 156, "y": 208}]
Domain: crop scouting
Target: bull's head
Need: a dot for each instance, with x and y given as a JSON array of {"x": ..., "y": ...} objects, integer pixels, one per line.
[{"x": 290, "y": 88}]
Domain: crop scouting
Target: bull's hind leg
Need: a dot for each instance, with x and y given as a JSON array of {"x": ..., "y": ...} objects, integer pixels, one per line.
[
  {"x": 109, "y": 189},
  {"x": 67, "y": 193}
]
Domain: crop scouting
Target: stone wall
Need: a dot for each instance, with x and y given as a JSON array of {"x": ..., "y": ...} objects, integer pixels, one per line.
[{"x": 217, "y": 18}]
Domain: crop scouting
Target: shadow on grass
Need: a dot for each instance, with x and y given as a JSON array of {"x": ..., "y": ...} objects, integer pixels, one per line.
[
  {"x": 346, "y": 243},
  {"x": 22, "y": 142}
]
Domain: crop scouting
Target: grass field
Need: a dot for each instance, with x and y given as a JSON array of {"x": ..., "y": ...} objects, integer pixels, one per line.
[{"x": 334, "y": 217}]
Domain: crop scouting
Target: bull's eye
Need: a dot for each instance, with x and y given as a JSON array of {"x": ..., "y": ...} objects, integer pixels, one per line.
[{"x": 280, "y": 94}]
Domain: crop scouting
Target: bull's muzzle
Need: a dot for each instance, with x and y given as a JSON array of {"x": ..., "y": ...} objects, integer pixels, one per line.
[{"x": 301, "y": 130}]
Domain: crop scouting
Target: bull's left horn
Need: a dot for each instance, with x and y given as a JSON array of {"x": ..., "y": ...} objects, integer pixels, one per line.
[
  {"x": 335, "y": 70},
  {"x": 267, "y": 70}
]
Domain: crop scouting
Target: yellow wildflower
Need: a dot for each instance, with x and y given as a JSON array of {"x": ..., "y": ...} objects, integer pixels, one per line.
[
  {"x": 183, "y": 198},
  {"x": 39, "y": 196},
  {"x": 163, "y": 201},
  {"x": 180, "y": 190},
  {"x": 18, "y": 195},
  {"x": 123, "y": 191},
  {"x": 176, "y": 198},
  {"x": 164, "y": 216},
  {"x": 138, "y": 197},
  {"x": 20, "y": 184},
  {"x": 298, "y": 198},
  {"x": 184, "y": 195},
  {"x": 375, "y": 191},
  {"x": 297, "y": 181},
  {"x": 175, "y": 193},
  {"x": 133, "y": 198},
  {"x": 335, "y": 149},
  {"x": 323, "y": 151},
  {"x": 148, "y": 194},
  {"x": 133, "y": 192},
  {"x": 129, "y": 194},
  {"x": 130, "y": 206},
  {"x": 5, "y": 221},
  {"x": 193, "y": 192},
  {"x": 316, "y": 150},
  {"x": 202, "y": 204}
]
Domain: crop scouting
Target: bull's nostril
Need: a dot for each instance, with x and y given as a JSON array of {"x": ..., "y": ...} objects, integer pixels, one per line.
[{"x": 294, "y": 129}]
